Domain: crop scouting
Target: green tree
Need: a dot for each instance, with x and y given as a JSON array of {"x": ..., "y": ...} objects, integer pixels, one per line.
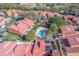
[
  {"x": 59, "y": 21},
  {"x": 53, "y": 28}
]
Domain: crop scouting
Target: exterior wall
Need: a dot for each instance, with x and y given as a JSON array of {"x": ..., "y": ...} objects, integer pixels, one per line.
[
  {"x": 73, "y": 54},
  {"x": 73, "y": 46}
]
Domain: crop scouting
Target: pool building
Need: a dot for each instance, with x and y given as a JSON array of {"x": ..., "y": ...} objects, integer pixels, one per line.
[{"x": 41, "y": 32}]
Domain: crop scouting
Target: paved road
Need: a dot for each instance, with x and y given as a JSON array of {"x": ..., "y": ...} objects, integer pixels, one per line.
[
  {"x": 55, "y": 38},
  {"x": 52, "y": 38}
]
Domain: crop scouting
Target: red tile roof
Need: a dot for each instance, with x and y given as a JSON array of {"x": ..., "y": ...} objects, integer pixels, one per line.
[
  {"x": 70, "y": 34},
  {"x": 72, "y": 41},
  {"x": 13, "y": 12},
  {"x": 1, "y": 19},
  {"x": 20, "y": 50},
  {"x": 28, "y": 51},
  {"x": 44, "y": 13},
  {"x": 12, "y": 48},
  {"x": 28, "y": 22},
  {"x": 39, "y": 50},
  {"x": 21, "y": 27},
  {"x": 77, "y": 39},
  {"x": 14, "y": 29},
  {"x": 68, "y": 16},
  {"x": 67, "y": 28},
  {"x": 6, "y": 48},
  {"x": 72, "y": 50},
  {"x": 75, "y": 19},
  {"x": 71, "y": 45}
]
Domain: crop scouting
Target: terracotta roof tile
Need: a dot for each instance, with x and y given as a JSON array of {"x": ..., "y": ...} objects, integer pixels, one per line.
[
  {"x": 39, "y": 51},
  {"x": 20, "y": 50},
  {"x": 7, "y": 48},
  {"x": 72, "y": 50},
  {"x": 1, "y": 19},
  {"x": 29, "y": 22},
  {"x": 21, "y": 27},
  {"x": 13, "y": 27},
  {"x": 72, "y": 41},
  {"x": 67, "y": 28},
  {"x": 12, "y": 48}
]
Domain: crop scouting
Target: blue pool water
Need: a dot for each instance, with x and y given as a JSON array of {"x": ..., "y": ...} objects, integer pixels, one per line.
[{"x": 41, "y": 32}]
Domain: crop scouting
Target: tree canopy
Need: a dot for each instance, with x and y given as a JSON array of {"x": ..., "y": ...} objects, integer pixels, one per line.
[
  {"x": 59, "y": 21},
  {"x": 53, "y": 28}
]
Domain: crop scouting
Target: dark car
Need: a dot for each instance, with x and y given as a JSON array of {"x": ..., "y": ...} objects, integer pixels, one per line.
[{"x": 48, "y": 50}]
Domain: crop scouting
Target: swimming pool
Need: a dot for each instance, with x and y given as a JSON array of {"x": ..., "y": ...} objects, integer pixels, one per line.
[{"x": 41, "y": 31}]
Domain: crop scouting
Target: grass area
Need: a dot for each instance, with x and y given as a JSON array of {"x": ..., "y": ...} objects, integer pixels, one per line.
[{"x": 12, "y": 36}]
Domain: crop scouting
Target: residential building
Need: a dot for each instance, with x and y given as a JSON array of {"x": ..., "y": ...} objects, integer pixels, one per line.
[
  {"x": 13, "y": 48},
  {"x": 71, "y": 19},
  {"x": 67, "y": 30},
  {"x": 71, "y": 45},
  {"x": 3, "y": 21},
  {"x": 70, "y": 39},
  {"x": 35, "y": 48},
  {"x": 13, "y": 12},
  {"x": 21, "y": 26},
  {"x": 48, "y": 14}
]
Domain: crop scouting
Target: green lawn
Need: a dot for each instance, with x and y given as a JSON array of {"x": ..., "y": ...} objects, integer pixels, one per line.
[{"x": 12, "y": 36}]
